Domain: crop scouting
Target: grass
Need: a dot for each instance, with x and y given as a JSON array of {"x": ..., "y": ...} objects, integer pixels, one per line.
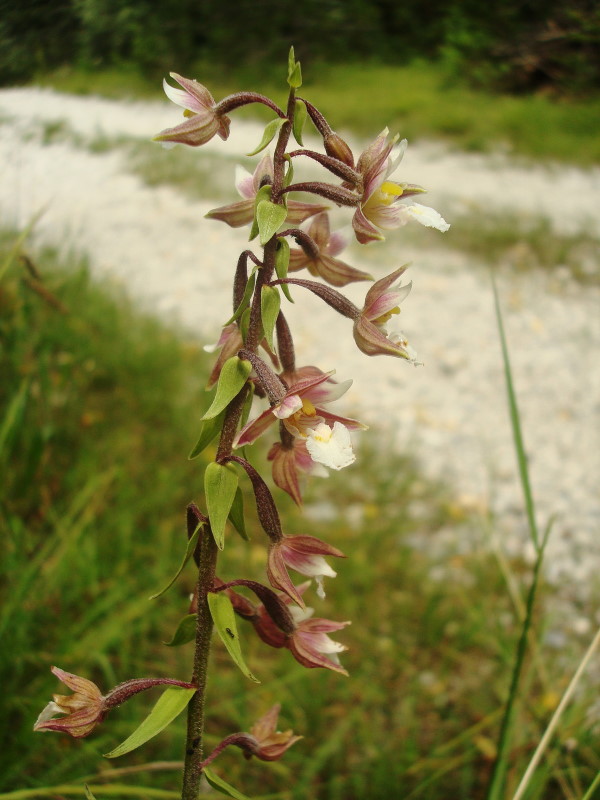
[
  {"x": 99, "y": 406},
  {"x": 419, "y": 100}
]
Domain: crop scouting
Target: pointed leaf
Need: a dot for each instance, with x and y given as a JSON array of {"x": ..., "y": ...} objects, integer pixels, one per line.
[
  {"x": 282, "y": 262},
  {"x": 223, "y": 616},
  {"x": 247, "y": 408},
  {"x": 269, "y": 218},
  {"x": 270, "y": 303},
  {"x": 291, "y": 60},
  {"x": 245, "y": 302},
  {"x": 245, "y": 324},
  {"x": 170, "y": 704},
  {"x": 271, "y": 130},
  {"x": 236, "y": 515},
  {"x": 264, "y": 193},
  {"x": 289, "y": 173},
  {"x": 300, "y": 114},
  {"x": 191, "y": 546},
  {"x": 186, "y": 631},
  {"x": 208, "y": 431},
  {"x": 294, "y": 78},
  {"x": 222, "y": 786},
  {"x": 220, "y": 484},
  {"x": 88, "y": 793},
  {"x": 234, "y": 374}
]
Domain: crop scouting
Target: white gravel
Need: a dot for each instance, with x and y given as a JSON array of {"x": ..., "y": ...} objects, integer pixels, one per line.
[{"x": 451, "y": 412}]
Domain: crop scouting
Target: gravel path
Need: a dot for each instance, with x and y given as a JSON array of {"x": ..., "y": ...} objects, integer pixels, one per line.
[{"x": 451, "y": 412}]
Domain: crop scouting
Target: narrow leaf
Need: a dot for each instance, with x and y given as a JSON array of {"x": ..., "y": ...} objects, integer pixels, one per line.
[
  {"x": 222, "y": 786},
  {"x": 170, "y": 704},
  {"x": 186, "y": 631},
  {"x": 269, "y": 218},
  {"x": 223, "y": 616},
  {"x": 245, "y": 324},
  {"x": 282, "y": 262},
  {"x": 264, "y": 193},
  {"x": 191, "y": 545},
  {"x": 270, "y": 303},
  {"x": 271, "y": 130},
  {"x": 247, "y": 408},
  {"x": 208, "y": 431},
  {"x": 88, "y": 793},
  {"x": 291, "y": 60},
  {"x": 234, "y": 374},
  {"x": 220, "y": 484},
  {"x": 300, "y": 115},
  {"x": 236, "y": 514}
]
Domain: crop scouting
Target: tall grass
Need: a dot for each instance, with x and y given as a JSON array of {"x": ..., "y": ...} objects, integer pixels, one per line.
[{"x": 99, "y": 406}]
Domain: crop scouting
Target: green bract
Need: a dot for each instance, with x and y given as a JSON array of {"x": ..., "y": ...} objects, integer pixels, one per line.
[
  {"x": 222, "y": 786},
  {"x": 170, "y": 704},
  {"x": 300, "y": 115},
  {"x": 270, "y": 303},
  {"x": 269, "y": 218},
  {"x": 220, "y": 485},
  {"x": 223, "y": 616},
  {"x": 186, "y": 631},
  {"x": 271, "y": 130},
  {"x": 233, "y": 376}
]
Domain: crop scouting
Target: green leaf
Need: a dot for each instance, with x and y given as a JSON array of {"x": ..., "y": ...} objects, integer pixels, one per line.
[
  {"x": 170, "y": 704},
  {"x": 270, "y": 303},
  {"x": 191, "y": 546},
  {"x": 294, "y": 78},
  {"x": 289, "y": 173},
  {"x": 282, "y": 262},
  {"x": 222, "y": 786},
  {"x": 208, "y": 431},
  {"x": 88, "y": 793},
  {"x": 223, "y": 616},
  {"x": 300, "y": 114},
  {"x": 236, "y": 514},
  {"x": 234, "y": 374},
  {"x": 220, "y": 484},
  {"x": 186, "y": 631},
  {"x": 247, "y": 408},
  {"x": 245, "y": 301},
  {"x": 271, "y": 130},
  {"x": 269, "y": 218},
  {"x": 264, "y": 193},
  {"x": 291, "y": 60}
]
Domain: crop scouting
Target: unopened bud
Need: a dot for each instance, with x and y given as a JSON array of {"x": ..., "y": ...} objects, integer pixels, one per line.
[{"x": 336, "y": 147}]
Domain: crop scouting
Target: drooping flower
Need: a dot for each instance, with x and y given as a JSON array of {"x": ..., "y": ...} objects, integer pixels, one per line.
[
  {"x": 303, "y": 415},
  {"x": 289, "y": 463},
  {"x": 308, "y": 642},
  {"x": 382, "y": 205},
  {"x": 81, "y": 711},
  {"x": 271, "y": 744},
  {"x": 202, "y": 123},
  {"x": 370, "y": 326},
  {"x": 305, "y": 554},
  {"x": 322, "y": 263},
  {"x": 242, "y": 212}
]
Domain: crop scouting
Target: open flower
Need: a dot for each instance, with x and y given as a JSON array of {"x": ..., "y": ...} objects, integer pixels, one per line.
[
  {"x": 382, "y": 205},
  {"x": 370, "y": 326},
  {"x": 82, "y": 710},
  {"x": 302, "y": 413},
  {"x": 305, "y": 554},
  {"x": 310, "y": 644},
  {"x": 322, "y": 262},
  {"x": 203, "y": 120},
  {"x": 242, "y": 212}
]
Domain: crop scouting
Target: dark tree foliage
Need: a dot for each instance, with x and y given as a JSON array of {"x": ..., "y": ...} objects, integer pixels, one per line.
[{"x": 515, "y": 45}]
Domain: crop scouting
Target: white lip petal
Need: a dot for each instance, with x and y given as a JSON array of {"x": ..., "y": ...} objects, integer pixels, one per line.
[
  {"x": 330, "y": 446},
  {"x": 427, "y": 216}
]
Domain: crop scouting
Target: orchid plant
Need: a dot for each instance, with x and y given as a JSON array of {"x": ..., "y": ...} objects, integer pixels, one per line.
[{"x": 256, "y": 362}]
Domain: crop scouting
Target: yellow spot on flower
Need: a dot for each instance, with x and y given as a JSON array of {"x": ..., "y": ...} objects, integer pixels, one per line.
[
  {"x": 388, "y": 315},
  {"x": 308, "y": 408}
]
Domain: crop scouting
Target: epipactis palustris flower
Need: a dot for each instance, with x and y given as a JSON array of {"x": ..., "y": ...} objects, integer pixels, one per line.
[
  {"x": 271, "y": 744},
  {"x": 382, "y": 205},
  {"x": 242, "y": 212},
  {"x": 370, "y": 326},
  {"x": 305, "y": 554},
  {"x": 202, "y": 123},
  {"x": 81, "y": 711},
  {"x": 289, "y": 463},
  {"x": 302, "y": 412},
  {"x": 323, "y": 263},
  {"x": 309, "y": 641}
]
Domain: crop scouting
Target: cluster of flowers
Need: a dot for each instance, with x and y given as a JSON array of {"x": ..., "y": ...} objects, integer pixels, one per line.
[{"x": 311, "y": 437}]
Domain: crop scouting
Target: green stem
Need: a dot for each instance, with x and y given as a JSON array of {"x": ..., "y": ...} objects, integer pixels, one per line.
[{"x": 192, "y": 770}]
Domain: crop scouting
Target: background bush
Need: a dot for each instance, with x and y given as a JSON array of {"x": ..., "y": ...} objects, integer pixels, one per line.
[{"x": 512, "y": 46}]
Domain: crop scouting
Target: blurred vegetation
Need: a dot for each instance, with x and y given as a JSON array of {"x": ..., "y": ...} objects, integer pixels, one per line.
[
  {"x": 512, "y": 46},
  {"x": 98, "y": 407}
]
